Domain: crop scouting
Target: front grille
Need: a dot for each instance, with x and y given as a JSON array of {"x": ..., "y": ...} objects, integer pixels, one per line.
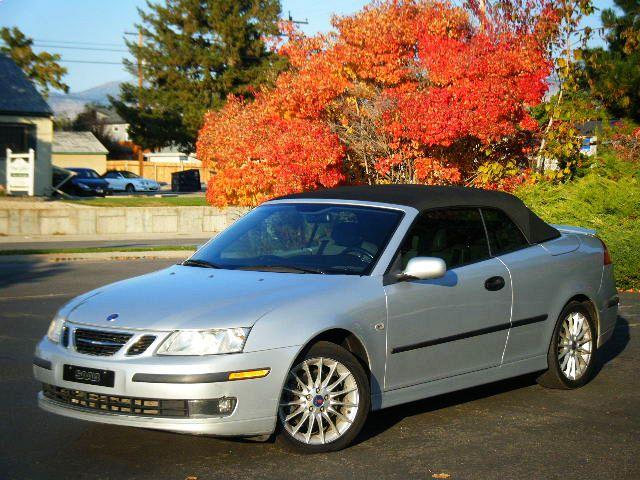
[
  {"x": 102, "y": 343},
  {"x": 115, "y": 404},
  {"x": 141, "y": 345}
]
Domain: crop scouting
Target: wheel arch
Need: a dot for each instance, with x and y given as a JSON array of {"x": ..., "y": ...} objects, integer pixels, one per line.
[
  {"x": 591, "y": 306},
  {"x": 344, "y": 338}
]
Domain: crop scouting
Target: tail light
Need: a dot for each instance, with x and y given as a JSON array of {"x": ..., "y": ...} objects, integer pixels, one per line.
[{"x": 607, "y": 256}]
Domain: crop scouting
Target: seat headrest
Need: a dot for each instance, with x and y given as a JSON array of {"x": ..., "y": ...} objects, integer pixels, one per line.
[
  {"x": 346, "y": 234},
  {"x": 439, "y": 241}
]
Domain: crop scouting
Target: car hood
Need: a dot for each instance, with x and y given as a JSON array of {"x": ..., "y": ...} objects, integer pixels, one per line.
[{"x": 193, "y": 298}]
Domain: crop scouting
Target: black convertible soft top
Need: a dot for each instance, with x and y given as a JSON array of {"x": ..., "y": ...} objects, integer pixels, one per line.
[{"x": 424, "y": 197}]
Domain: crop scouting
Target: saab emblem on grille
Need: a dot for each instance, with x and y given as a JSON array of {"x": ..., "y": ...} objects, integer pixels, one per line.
[{"x": 112, "y": 317}]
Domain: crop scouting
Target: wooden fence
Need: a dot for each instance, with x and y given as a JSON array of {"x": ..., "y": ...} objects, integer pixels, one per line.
[{"x": 160, "y": 172}]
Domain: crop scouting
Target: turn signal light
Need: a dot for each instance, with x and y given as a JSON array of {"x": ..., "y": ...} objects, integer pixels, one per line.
[{"x": 247, "y": 374}]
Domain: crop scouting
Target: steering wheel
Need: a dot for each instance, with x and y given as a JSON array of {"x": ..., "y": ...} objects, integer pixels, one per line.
[{"x": 363, "y": 255}]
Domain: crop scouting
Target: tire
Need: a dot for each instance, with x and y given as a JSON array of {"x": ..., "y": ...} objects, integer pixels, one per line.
[
  {"x": 334, "y": 419},
  {"x": 560, "y": 373},
  {"x": 129, "y": 188}
]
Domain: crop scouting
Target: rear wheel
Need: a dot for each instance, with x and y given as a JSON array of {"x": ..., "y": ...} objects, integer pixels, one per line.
[
  {"x": 573, "y": 348},
  {"x": 129, "y": 188},
  {"x": 325, "y": 400}
]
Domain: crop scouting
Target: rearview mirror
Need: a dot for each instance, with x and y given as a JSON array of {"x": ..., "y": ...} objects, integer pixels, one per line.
[{"x": 424, "y": 268}]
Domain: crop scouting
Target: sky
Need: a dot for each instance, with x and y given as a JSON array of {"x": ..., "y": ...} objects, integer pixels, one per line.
[{"x": 103, "y": 23}]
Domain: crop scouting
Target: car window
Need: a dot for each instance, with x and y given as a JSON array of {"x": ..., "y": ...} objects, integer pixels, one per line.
[
  {"x": 129, "y": 175},
  {"x": 111, "y": 175},
  {"x": 455, "y": 235},
  {"x": 504, "y": 234},
  {"x": 90, "y": 174},
  {"x": 331, "y": 238}
]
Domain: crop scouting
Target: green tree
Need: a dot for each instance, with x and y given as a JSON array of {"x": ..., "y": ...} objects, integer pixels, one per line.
[
  {"x": 41, "y": 68},
  {"x": 193, "y": 54},
  {"x": 613, "y": 75},
  {"x": 560, "y": 140}
]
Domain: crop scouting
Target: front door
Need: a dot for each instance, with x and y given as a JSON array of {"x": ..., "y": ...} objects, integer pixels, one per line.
[{"x": 455, "y": 324}]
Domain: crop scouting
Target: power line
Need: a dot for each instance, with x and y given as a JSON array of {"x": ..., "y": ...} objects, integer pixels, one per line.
[
  {"x": 78, "y": 42},
  {"x": 91, "y": 61},
  {"x": 97, "y": 49}
]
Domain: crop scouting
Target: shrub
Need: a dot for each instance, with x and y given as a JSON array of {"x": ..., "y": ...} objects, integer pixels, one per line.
[{"x": 606, "y": 198}]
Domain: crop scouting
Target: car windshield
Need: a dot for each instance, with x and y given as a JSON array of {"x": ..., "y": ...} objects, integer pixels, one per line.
[
  {"x": 87, "y": 174},
  {"x": 129, "y": 175},
  {"x": 303, "y": 238}
]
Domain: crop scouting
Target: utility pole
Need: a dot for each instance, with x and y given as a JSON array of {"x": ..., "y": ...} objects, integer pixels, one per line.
[{"x": 140, "y": 103}]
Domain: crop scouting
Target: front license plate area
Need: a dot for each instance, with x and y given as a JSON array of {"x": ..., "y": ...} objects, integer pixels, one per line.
[{"x": 91, "y": 376}]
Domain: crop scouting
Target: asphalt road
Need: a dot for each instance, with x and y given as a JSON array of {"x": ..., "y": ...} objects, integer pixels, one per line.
[{"x": 508, "y": 430}]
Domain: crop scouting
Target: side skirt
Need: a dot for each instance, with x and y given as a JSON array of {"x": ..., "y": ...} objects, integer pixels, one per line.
[{"x": 459, "y": 382}]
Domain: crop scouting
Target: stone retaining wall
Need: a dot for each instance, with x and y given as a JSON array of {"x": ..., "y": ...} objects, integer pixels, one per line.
[{"x": 112, "y": 221}]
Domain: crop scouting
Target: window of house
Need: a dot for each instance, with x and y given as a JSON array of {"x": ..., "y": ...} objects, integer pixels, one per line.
[
  {"x": 504, "y": 234},
  {"x": 455, "y": 235},
  {"x": 19, "y": 138}
]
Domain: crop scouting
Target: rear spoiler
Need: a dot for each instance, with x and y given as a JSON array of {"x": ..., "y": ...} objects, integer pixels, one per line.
[{"x": 572, "y": 229}]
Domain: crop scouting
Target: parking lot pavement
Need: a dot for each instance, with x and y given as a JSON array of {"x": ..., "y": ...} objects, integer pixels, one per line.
[{"x": 508, "y": 430}]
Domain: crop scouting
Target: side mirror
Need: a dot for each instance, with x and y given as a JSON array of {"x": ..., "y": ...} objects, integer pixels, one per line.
[{"x": 424, "y": 268}]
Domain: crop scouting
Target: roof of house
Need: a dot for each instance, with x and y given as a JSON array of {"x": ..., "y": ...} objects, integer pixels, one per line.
[
  {"x": 423, "y": 197},
  {"x": 109, "y": 116},
  {"x": 18, "y": 96},
  {"x": 77, "y": 142}
]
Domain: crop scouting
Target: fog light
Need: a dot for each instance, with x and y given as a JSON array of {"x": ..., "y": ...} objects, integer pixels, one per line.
[
  {"x": 212, "y": 407},
  {"x": 226, "y": 405}
]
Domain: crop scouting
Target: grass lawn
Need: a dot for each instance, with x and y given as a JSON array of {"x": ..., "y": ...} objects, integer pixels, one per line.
[
  {"x": 143, "y": 201},
  {"x": 186, "y": 248}
]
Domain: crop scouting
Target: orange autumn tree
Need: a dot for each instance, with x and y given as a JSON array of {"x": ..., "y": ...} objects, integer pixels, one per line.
[{"x": 405, "y": 91}]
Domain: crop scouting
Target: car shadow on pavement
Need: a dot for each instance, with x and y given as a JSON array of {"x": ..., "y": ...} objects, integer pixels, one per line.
[
  {"x": 382, "y": 420},
  {"x": 28, "y": 272}
]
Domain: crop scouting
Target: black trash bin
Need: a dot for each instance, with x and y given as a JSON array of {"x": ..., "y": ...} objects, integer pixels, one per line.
[{"x": 186, "y": 181}]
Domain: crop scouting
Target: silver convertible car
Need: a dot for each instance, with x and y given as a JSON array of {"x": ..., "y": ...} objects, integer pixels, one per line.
[{"x": 316, "y": 308}]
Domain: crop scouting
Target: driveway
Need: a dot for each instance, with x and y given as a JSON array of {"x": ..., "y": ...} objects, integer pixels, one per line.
[{"x": 508, "y": 430}]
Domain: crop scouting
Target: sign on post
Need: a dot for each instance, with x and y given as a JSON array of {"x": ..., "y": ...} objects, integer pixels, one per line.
[{"x": 20, "y": 172}]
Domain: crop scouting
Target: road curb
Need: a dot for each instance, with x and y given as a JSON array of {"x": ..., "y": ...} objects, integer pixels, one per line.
[{"x": 96, "y": 256}]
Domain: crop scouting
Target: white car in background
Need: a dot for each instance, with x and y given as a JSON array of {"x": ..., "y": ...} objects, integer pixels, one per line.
[{"x": 124, "y": 181}]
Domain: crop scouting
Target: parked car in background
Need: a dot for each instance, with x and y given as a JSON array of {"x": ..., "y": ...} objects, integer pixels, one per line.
[
  {"x": 125, "y": 181},
  {"x": 86, "y": 182},
  {"x": 316, "y": 308}
]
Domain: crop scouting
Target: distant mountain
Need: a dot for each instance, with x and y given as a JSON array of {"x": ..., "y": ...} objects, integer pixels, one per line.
[{"x": 70, "y": 105}]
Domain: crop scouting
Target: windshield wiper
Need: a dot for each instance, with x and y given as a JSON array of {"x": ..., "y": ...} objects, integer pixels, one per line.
[
  {"x": 282, "y": 268},
  {"x": 194, "y": 262}
]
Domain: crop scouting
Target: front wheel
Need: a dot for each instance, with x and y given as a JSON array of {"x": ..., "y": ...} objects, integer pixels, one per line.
[
  {"x": 129, "y": 188},
  {"x": 573, "y": 348},
  {"x": 325, "y": 400}
]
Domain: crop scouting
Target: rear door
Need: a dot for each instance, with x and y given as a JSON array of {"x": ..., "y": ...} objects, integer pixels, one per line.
[{"x": 455, "y": 324}]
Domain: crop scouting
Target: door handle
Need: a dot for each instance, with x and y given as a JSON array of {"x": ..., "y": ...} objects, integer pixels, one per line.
[{"x": 494, "y": 283}]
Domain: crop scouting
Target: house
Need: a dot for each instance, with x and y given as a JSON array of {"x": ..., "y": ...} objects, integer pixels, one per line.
[
  {"x": 79, "y": 149},
  {"x": 112, "y": 125},
  {"x": 172, "y": 155},
  {"x": 588, "y": 134},
  {"x": 26, "y": 122}
]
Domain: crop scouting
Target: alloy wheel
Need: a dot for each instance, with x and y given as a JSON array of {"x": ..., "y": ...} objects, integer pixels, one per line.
[
  {"x": 575, "y": 345},
  {"x": 320, "y": 401}
]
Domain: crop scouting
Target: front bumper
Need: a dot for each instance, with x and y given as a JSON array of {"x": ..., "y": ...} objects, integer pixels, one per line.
[{"x": 257, "y": 399}]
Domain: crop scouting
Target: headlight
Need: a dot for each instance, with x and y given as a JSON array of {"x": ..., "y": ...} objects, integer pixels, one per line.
[
  {"x": 55, "y": 329},
  {"x": 204, "y": 342}
]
